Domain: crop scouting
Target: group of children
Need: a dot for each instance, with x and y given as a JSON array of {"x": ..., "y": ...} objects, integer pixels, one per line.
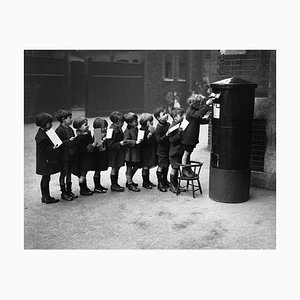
[{"x": 81, "y": 153}]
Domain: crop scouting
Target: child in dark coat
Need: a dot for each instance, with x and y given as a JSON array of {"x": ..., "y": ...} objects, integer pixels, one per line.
[
  {"x": 163, "y": 146},
  {"x": 198, "y": 107},
  {"x": 176, "y": 147},
  {"x": 66, "y": 134},
  {"x": 84, "y": 154},
  {"x": 47, "y": 156},
  {"x": 132, "y": 155},
  {"x": 148, "y": 146},
  {"x": 116, "y": 149},
  {"x": 101, "y": 155}
]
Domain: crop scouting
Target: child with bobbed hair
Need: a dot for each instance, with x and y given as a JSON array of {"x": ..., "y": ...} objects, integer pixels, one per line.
[
  {"x": 101, "y": 155},
  {"x": 132, "y": 155},
  {"x": 116, "y": 149},
  {"x": 198, "y": 106},
  {"x": 148, "y": 157},
  {"x": 84, "y": 154},
  {"x": 66, "y": 134},
  {"x": 47, "y": 156},
  {"x": 163, "y": 146}
]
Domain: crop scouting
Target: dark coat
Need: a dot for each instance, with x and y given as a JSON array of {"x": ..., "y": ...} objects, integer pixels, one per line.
[
  {"x": 191, "y": 133},
  {"x": 48, "y": 160},
  {"x": 162, "y": 140},
  {"x": 101, "y": 157},
  {"x": 65, "y": 133},
  {"x": 116, "y": 152},
  {"x": 132, "y": 149},
  {"x": 175, "y": 138},
  {"x": 84, "y": 155},
  {"x": 148, "y": 146}
]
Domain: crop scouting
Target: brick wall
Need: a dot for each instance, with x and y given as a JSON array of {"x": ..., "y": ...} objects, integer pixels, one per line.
[
  {"x": 252, "y": 66},
  {"x": 156, "y": 88}
]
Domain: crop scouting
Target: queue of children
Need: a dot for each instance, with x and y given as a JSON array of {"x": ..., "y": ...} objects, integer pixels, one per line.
[{"x": 143, "y": 148}]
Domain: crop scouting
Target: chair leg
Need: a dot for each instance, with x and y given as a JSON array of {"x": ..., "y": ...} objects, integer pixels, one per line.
[
  {"x": 178, "y": 187},
  {"x": 187, "y": 184},
  {"x": 200, "y": 189},
  {"x": 193, "y": 188}
]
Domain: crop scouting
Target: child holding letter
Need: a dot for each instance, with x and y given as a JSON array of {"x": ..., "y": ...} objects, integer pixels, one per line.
[
  {"x": 148, "y": 157},
  {"x": 47, "y": 156}
]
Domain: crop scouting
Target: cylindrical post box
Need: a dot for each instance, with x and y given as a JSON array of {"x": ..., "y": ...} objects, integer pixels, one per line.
[{"x": 232, "y": 115}]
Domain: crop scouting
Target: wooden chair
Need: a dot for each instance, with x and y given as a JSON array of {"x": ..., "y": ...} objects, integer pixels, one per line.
[{"x": 195, "y": 167}]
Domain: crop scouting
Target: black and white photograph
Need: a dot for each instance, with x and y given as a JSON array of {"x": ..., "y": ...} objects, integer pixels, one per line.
[
  {"x": 150, "y": 184},
  {"x": 149, "y": 150}
]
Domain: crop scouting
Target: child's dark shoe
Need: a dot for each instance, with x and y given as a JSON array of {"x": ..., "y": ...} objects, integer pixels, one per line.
[
  {"x": 103, "y": 188},
  {"x": 72, "y": 194},
  {"x": 147, "y": 186},
  {"x": 116, "y": 188},
  {"x": 99, "y": 190},
  {"x": 133, "y": 188},
  {"x": 151, "y": 184},
  {"x": 135, "y": 184},
  {"x": 66, "y": 196},
  {"x": 187, "y": 173},
  {"x": 69, "y": 190},
  {"x": 161, "y": 187},
  {"x": 167, "y": 184},
  {"x": 173, "y": 189},
  {"x": 86, "y": 192},
  {"x": 49, "y": 200}
]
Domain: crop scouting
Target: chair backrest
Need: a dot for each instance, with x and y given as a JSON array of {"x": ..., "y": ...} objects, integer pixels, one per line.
[{"x": 197, "y": 166}]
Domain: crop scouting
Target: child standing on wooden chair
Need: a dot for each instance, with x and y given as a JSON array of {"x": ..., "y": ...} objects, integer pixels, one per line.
[{"x": 198, "y": 107}]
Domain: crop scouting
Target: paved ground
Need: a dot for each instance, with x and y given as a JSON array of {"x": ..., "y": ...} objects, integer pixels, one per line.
[{"x": 145, "y": 220}]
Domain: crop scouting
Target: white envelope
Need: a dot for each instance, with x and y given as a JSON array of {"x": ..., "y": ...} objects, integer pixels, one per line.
[
  {"x": 109, "y": 133},
  {"x": 141, "y": 135},
  {"x": 184, "y": 124},
  {"x": 54, "y": 137}
]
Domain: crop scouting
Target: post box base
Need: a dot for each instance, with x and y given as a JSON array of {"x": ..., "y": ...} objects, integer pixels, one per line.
[{"x": 229, "y": 186}]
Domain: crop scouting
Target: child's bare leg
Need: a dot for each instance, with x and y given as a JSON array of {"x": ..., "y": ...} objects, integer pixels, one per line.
[{"x": 186, "y": 157}]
